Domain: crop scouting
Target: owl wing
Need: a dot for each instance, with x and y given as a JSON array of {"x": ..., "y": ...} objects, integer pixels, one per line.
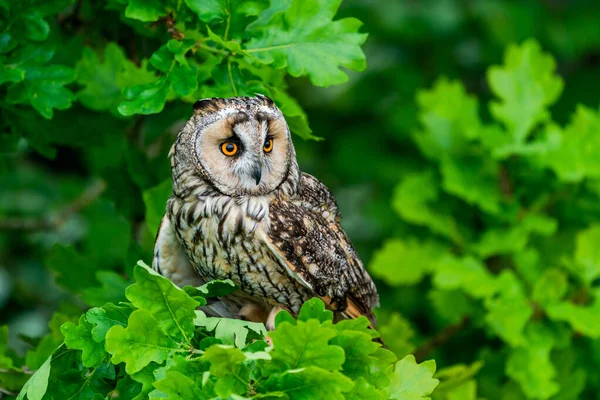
[
  {"x": 170, "y": 259},
  {"x": 305, "y": 235}
]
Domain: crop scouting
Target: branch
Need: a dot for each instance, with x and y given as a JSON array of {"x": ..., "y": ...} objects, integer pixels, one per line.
[
  {"x": 54, "y": 221},
  {"x": 7, "y": 392},
  {"x": 441, "y": 338},
  {"x": 505, "y": 184}
]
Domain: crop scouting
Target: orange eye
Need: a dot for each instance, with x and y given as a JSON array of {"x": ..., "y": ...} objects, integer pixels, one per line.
[
  {"x": 229, "y": 148},
  {"x": 268, "y": 146}
]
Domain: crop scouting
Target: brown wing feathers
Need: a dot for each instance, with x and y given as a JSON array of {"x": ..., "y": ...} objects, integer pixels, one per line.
[{"x": 306, "y": 235}]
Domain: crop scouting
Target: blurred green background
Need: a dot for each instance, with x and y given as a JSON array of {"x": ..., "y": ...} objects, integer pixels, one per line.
[{"x": 76, "y": 206}]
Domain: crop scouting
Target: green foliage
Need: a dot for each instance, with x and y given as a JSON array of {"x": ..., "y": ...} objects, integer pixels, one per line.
[
  {"x": 492, "y": 199},
  {"x": 134, "y": 348},
  {"x": 473, "y": 201}
]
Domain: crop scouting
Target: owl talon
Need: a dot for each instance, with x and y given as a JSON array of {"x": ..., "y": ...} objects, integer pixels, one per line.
[
  {"x": 270, "y": 324},
  {"x": 269, "y": 340}
]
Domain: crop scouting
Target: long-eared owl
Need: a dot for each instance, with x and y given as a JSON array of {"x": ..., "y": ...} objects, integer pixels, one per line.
[{"x": 242, "y": 210}]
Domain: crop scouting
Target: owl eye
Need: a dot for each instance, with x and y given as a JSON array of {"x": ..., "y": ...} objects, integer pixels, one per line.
[
  {"x": 268, "y": 145},
  {"x": 229, "y": 148}
]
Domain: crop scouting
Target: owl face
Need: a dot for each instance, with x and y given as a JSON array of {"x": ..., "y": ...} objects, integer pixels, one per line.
[{"x": 242, "y": 145}]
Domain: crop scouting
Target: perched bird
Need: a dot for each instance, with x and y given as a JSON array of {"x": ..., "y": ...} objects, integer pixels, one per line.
[{"x": 242, "y": 210}]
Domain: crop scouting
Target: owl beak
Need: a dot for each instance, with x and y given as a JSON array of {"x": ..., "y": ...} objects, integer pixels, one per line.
[{"x": 256, "y": 173}]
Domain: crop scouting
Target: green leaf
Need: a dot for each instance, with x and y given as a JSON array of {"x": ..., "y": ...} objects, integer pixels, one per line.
[
  {"x": 112, "y": 288},
  {"x": 36, "y": 386},
  {"x": 141, "y": 343},
  {"x": 364, "y": 391},
  {"x": 412, "y": 201},
  {"x": 473, "y": 179},
  {"x": 295, "y": 116},
  {"x": 509, "y": 310},
  {"x": 530, "y": 364},
  {"x": 449, "y": 119},
  {"x": 230, "y": 79},
  {"x": 308, "y": 383},
  {"x": 231, "y": 331},
  {"x": 46, "y": 346},
  {"x": 305, "y": 40},
  {"x": 80, "y": 337},
  {"x": 178, "y": 78},
  {"x": 44, "y": 87},
  {"x": 36, "y": 29},
  {"x": 216, "y": 288},
  {"x": 551, "y": 287},
  {"x": 106, "y": 250},
  {"x": 412, "y": 381},
  {"x": 179, "y": 48},
  {"x": 456, "y": 381},
  {"x": 146, "y": 378},
  {"x": 226, "y": 363},
  {"x": 183, "y": 80},
  {"x": 315, "y": 309},
  {"x": 10, "y": 73},
  {"x": 464, "y": 391},
  {"x": 104, "y": 81},
  {"x": 63, "y": 261},
  {"x": 229, "y": 17},
  {"x": 177, "y": 386},
  {"x": 105, "y": 317},
  {"x": 284, "y": 316},
  {"x": 145, "y": 10},
  {"x": 587, "y": 253},
  {"x": 570, "y": 375},
  {"x": 363, "y": 356},
  {"x": 572, "y": 152},
  {"x": 147, "y": 98},
  {"x": 526, "y": 86},
  {"x": 582, "y": 319},
  {"x": 5, "y": 360},
  {"x": 451, "y": 305},
  {"x": 171, "y": 306},
  {"x": 69, "y": 379},
  {"x": 468, "y": 274},
  {"x": 211, "y": 10},
  {"x": 514, "y": 239},
  {"x": 304, "y": 345},
  {"x": 397, "y": 333},
  {"x": 127, "y": 388},
  {"x": 406, "y": 262}
]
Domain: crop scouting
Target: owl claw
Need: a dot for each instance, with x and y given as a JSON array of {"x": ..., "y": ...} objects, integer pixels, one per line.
[{"x": 270, "y": 324}]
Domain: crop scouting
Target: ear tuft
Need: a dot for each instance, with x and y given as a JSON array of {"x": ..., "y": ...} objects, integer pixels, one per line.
[
  {"x": 265, "y": 99},
  {"x": 205, "y": 105}
]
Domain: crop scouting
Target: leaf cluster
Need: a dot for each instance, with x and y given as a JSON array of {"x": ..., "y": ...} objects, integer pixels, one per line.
[
  {"x": 504, "y": 241},
  {"x": 159, "y": 345}
]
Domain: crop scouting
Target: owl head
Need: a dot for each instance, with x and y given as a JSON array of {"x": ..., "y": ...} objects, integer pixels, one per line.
[{"x": 241, "y": 146}]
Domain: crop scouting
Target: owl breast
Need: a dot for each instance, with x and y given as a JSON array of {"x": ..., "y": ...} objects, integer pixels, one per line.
[{"x": 224, "y": 239}]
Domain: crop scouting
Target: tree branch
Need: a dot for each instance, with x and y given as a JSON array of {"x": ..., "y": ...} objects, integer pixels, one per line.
[
  {"x": 53, "y": 221},
  {"x": 441, "y": 338},
  {"x": 7, "y": 392},
  {"x": 505, "y": 184}
]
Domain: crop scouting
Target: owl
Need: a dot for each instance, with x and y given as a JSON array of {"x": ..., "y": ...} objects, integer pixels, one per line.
[{"x": 242, "y": 210}]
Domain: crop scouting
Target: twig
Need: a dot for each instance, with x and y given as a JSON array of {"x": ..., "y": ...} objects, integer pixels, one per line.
[
  {"x": 446, "y": 334},
  {"x": 7, "y": 392},
  {"x": 505, "y": 184},
  {"x": 54, "y": 221}
]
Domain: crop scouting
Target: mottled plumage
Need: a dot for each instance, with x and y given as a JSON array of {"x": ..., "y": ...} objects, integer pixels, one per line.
[{"x": 254, "y": 218}]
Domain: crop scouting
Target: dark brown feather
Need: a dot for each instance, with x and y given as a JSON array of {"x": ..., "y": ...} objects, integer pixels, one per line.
[{"x": 305, "y": 232}]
